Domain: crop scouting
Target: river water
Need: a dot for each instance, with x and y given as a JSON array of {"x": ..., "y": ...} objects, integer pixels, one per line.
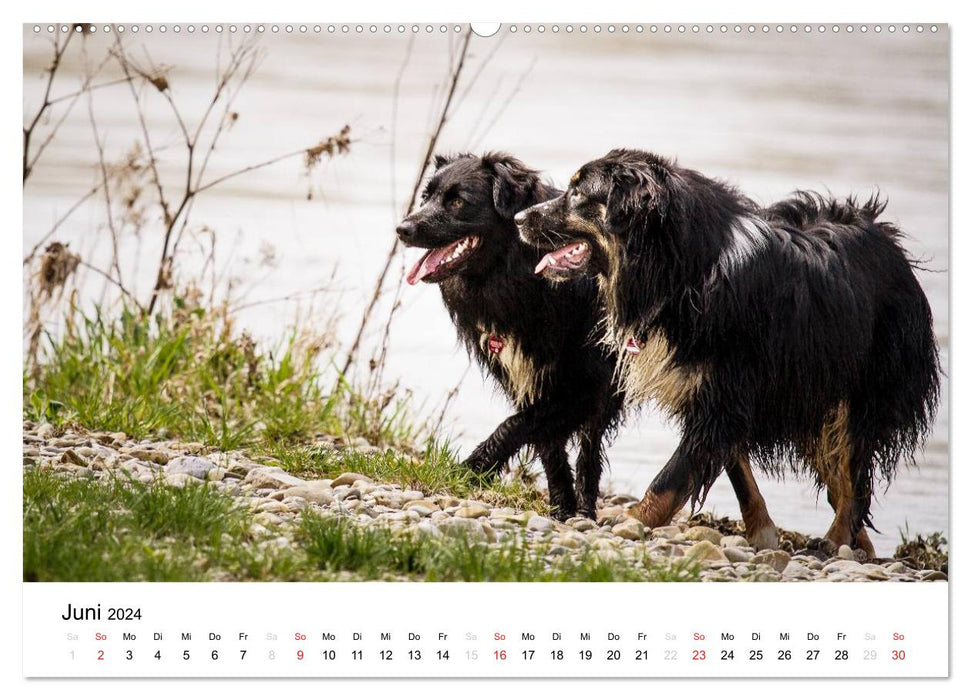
[{"x": 768, "y": 112}]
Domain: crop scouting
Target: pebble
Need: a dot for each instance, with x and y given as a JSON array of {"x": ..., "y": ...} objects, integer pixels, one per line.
[
  {"x": 199, "y": 467},
  {"x": 704, "y": 550},
  {"x": 472, "y": 511},
  {"x": 538, "y": 523},
  {"x": 348, "y": 479},
  {"x": 630, "y": 529},
  {"x": 776, "y": 558},
  {"x": 271, "y": 477},
  {"x": 700, "y": 532},
  {"x": 844, "y": 552},
  {"x": 736, "y": 541},
  {"x": 734, "y": 554}
]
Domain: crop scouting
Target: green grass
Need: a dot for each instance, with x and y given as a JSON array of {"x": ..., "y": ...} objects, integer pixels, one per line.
[
  {"x": 436, "y": 470},
  {"x": 188, "y": 374},
  {"x": 92, "y": 530}
]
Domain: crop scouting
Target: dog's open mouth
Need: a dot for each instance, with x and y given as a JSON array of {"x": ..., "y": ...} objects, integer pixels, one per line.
[
  {"x": 437, "y": 263},
  {"x": 571, "y": 257}
]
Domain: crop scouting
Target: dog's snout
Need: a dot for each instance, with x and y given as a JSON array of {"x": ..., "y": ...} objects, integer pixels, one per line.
[
  {"x": 520, "y": 218},
  {"x": 406, "y": 229}
]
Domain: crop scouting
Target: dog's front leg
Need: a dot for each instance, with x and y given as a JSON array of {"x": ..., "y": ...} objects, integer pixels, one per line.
[{"x": 495, "y": 451}]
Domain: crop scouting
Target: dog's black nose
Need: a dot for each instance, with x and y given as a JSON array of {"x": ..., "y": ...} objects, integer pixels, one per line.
[{"x": 406, "y": 229}]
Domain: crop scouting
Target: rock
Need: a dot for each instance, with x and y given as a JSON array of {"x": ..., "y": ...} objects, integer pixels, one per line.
[
  {"x": 843, "y": 566},
  {"x": 313, "y": 492},
  {"x": 581, "y": 524},
  {"x": 149, "y": 454},
  {"x": 348, "y": 479},
  {"x": 795, "y": 570},
  {"x": 733, "y": 554},
  {"x": 45, "y": 431},
  {"x": 424, "y": 504},
  {"x": 538, "y": 523},
  {"x": 180, "y": 481},
  {"x": 845, "y": 552},
  {"x": 665, "y": 532},
  {"x": 700, "y": 532},
  {"x": 934, "y": 576},
  {"x": 876, "y": 572},
  {"x": 776, "y": 558},
  {"x": 272, "y": 478},
  {"x": 472, "y": 511},
  {"x": 199, "y": 467},
  {"x": 630, "y": 529},
  {"x": 733, "y": 541},
  {"x": 411, "y": 496},
  {"x": 704, "y": 550}
]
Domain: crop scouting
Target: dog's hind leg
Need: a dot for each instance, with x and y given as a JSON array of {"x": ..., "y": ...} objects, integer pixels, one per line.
[
  {"x": 559, "y": 478},
  {"x": 669, "y": 491},
  {"x": 841, "y": 468},
  {"x": 760, "y": 531}
]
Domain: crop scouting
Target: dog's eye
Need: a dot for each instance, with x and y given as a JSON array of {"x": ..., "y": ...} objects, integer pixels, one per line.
[
  {"x": 455, "y": 203},
  {"x": 576, "y": 197}
]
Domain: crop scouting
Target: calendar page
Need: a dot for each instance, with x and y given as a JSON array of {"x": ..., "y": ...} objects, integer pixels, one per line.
[{"x": 515, "y": 350}]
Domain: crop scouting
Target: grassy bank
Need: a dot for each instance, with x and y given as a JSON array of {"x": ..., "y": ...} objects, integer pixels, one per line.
[{"x": 86, "y": 530}]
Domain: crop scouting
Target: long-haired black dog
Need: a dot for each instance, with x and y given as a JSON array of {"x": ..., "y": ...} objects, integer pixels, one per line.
[
  {"x": 540, "y": 344},
  {"x": 536, "y": 344},
  {"x": 796, "y": 334}
]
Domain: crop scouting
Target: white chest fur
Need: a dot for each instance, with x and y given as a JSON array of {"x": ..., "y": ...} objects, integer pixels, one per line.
[{"x": 523, "y": 376}]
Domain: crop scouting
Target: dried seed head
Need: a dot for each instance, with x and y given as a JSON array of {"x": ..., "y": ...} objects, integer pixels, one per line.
[{"x": 56, "y": 267}]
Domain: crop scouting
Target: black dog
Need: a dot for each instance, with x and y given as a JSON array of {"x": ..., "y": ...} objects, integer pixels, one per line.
[
  {"x": 537, "y": 344},
  {"x": 797, "y": 334}
]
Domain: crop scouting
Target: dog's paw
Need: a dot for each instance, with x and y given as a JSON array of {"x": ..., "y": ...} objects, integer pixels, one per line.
[
  {"x": 766, "y": 537},
  {"x": 482, "y": 466}
]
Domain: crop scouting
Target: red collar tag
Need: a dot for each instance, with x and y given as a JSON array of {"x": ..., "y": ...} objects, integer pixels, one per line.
[
  {"x": 495, "y": 344},
  {"x": 634, "y": 346}
]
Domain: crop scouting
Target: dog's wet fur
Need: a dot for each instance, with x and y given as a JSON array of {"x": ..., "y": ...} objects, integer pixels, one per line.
[
  {"x": 537, "y": 343},
  {"x": 797, "y": 335}
]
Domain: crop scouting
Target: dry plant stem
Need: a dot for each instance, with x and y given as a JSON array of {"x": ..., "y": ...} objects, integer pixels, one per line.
[
  {"x": 59, "y": 50},
  {"x": 57, "y": 224},
  {"x": 429, "y": 151}
]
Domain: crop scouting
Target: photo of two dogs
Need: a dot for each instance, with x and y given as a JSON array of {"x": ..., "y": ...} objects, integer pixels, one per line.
[{"x": 793, "y": 337}]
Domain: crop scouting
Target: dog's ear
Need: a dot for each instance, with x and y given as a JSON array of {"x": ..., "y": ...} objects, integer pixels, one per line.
[
  {"x": 638, "y": 195},
  {"x": 514, "y": 187},
  {"x": 441, "y": 161}
]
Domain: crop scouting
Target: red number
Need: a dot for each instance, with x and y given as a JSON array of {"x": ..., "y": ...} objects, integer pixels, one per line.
[
  {"x": 500, "y": 654},
  {"x": 299, "y": 654},
  {"x": 101, "y": 655},
  {"x": 898, "y": 654},
  {"x": 698, "y": 655}
]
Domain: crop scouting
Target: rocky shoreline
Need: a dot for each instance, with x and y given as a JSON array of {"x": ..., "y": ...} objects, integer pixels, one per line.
[{"x": 278, "y": 498}]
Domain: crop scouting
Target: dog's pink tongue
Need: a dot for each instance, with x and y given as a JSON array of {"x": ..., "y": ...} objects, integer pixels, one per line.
[
  {"x": 427, "y": 265},
  {"x": 553, "y": 259}
]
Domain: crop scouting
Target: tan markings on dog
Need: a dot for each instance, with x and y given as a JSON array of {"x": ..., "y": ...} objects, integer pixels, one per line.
[
  {"x": 652, "y": 373},
  {"x": 524, "y": 377},
  {"x": 656, "y": 509},
  {"x": 575, "y": 179},
  {"x": 760, "y": 531},
  {"x": 579, "y": 223},
  {"x": 831, "y": 460}
]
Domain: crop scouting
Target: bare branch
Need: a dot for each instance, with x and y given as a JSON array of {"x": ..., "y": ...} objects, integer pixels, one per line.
[
  {"x": 429, "y": 151},
  {"x": 59, "y": 50}
]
